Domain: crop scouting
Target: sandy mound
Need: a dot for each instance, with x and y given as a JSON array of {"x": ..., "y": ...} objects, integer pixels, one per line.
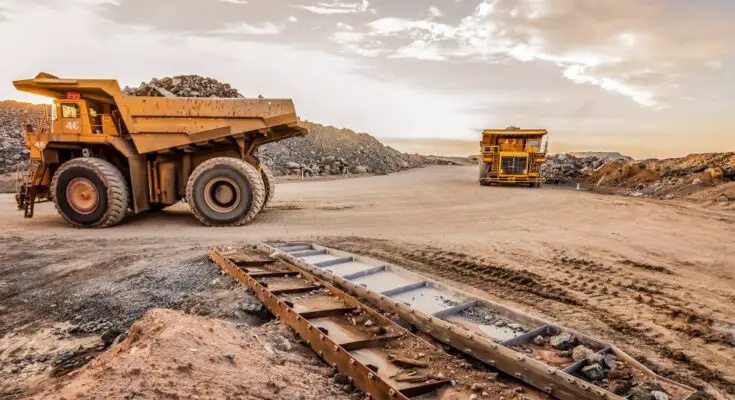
[{"x": 170, "y": 354}]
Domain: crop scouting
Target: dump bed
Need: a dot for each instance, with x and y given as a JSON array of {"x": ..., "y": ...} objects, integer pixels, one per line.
[{"x": 160, "y": 123}]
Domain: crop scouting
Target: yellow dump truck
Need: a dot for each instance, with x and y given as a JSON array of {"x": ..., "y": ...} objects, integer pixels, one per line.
[
  {"x": 512, "y": 155},
  {"x": 101, "y": 154}
]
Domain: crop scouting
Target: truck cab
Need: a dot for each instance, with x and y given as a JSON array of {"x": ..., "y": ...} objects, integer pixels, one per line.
[{"x": 74, "y": 116}]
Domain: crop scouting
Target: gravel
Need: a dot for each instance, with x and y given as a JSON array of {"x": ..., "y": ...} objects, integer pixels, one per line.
[
  {"x": 562, "y": 341},
  {"x": 13, "y": 152},
  {"x": 184, "y": 86},
  {"x": 566, "y": 168},
  {"x": 328, "y": 150}
]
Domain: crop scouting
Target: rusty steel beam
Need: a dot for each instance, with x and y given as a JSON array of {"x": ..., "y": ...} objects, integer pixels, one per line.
[
  {"x": 366, "y": 343},
  {"x": 327, "y": 313},
  {"x": 373, "y": 356},
  {"x": 361, "y": 376}
]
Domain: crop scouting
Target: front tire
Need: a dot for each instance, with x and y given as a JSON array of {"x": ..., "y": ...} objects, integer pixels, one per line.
[
  {"x": 225, "y": 191},
  {"x": 90, "y": 193}
]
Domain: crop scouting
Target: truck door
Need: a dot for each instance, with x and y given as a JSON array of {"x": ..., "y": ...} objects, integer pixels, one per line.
[{"x": 71, "y": 118}]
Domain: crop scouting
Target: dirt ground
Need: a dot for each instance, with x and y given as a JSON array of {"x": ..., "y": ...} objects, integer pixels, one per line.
[
  {"x": 656, "y": 277},
  {"x": 169, "y": 354}
]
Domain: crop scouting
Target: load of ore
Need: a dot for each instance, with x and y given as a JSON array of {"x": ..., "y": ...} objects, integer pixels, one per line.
[
  {"x": 326, "y": 151},
  {"x": 184, "y": 86}
]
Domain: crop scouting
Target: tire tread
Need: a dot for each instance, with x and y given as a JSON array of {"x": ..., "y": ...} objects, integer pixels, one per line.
[
  {"x": 117, "y": 190},
  {"x": 251, "y": 174}
]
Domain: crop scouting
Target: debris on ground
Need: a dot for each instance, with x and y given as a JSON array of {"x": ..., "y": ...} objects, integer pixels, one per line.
[
  {"x": 328, "y": 150},
  {"x": 701, "y": 177},
  {"x": 175, "y": 355},
  {"x": 566, "y": 168},
  {"x": 562, "y": 341}
]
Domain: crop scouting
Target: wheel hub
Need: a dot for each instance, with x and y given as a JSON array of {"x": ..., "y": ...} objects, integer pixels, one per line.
[
  {"x": 222, "y": 194},
  {"x": 82, "y": 196}
]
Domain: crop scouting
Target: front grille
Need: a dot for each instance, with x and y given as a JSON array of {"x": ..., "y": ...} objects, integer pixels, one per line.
[{"x": 513, "y": 165}]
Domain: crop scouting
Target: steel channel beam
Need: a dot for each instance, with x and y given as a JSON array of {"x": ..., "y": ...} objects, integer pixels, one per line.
[
  {"x": 366, "y": 272},
  {"x": 553, "y": 381},
  {"x": 296, "y": 247},
  {"x": 496, "y": 307},
  {"x": 530, "y": 335},
  {"x": 327, "y": 349},
  {"x": 405, "y": 288},
  {"x": 454, "y": 310},
  {"x": 307, "y": 253},
  {"x": 340, "y": 260}
]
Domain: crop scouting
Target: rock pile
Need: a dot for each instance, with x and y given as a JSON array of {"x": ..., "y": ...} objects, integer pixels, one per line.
[
  {"x": 184, "y": 86},
  {"x": 706, "y": 176},
  {"x": 566, "y": 168},
  {"x": 331, "y": 151},
  {"x": 13, "y": 151}
]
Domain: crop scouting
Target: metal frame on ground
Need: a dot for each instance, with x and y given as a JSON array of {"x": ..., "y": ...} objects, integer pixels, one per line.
[
  {"x": 354, "y": 339},
  {"x": 351, "y": 272}
]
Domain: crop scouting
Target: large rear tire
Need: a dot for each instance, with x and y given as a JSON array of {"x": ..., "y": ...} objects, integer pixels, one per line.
[
  {"x": 90, "y": 193},
  {"x": 270, "y": 183},
  {"x": 225, "y": 191}
]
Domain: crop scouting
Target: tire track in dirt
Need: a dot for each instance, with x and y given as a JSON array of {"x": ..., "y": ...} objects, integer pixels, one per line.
[
  {"x": 651, "y": 296},
  {"x": 574, "y": 297}
]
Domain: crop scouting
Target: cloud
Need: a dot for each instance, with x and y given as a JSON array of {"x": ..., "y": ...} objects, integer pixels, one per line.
[
  {"x": 267, "y": 28},
  {"x": 420, "y": 50},
  {"x": 344, "y": 27},
  {"x": 337, "y": 7},
  {"x": 293, "y": 19},
  {"x": 435, "y": 12},
  {"x": 638, "y": 50},
  {"x": 236, "y": 1}
]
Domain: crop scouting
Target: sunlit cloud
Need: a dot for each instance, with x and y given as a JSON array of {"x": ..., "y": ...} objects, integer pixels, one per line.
[
  {"x": 586, "y": 50},
  {"x": 336, "y": 7},
  {"x": 267, "y": 28}
]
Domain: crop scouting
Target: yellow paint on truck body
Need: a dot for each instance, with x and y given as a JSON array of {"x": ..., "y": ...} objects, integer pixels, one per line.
[{"x": 512, "y": 155}]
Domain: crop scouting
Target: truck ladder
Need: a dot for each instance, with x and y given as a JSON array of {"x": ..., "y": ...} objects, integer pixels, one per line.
[
  {"x": 451, "y": 316},
  {"x": 378, "y": 356}
]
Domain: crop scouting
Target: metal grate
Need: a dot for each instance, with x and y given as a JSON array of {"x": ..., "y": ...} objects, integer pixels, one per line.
[{"x": 513, "y": 165}]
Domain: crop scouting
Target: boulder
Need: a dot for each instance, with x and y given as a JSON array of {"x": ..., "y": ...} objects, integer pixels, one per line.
[
  {"x": 562, "y": 341},
  {"x": 659, "y": 395},
  {"x": 581, "y": 352},
  {"x": 594, "y": 372}
]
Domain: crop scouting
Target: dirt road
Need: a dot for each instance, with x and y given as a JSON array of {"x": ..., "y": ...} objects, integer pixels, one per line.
[{"x": 658, "y": 278}]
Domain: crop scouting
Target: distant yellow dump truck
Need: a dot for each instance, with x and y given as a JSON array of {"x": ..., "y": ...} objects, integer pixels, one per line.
[
  {"x": 512, "y": 155},
  {"x": 102, "y": 154}
]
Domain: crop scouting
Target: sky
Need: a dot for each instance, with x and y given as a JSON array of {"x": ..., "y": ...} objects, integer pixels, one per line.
[{"x": 652, "y": 78}]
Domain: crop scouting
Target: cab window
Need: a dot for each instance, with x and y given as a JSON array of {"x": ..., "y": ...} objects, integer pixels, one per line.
[{"x": 70, "y": 110}]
